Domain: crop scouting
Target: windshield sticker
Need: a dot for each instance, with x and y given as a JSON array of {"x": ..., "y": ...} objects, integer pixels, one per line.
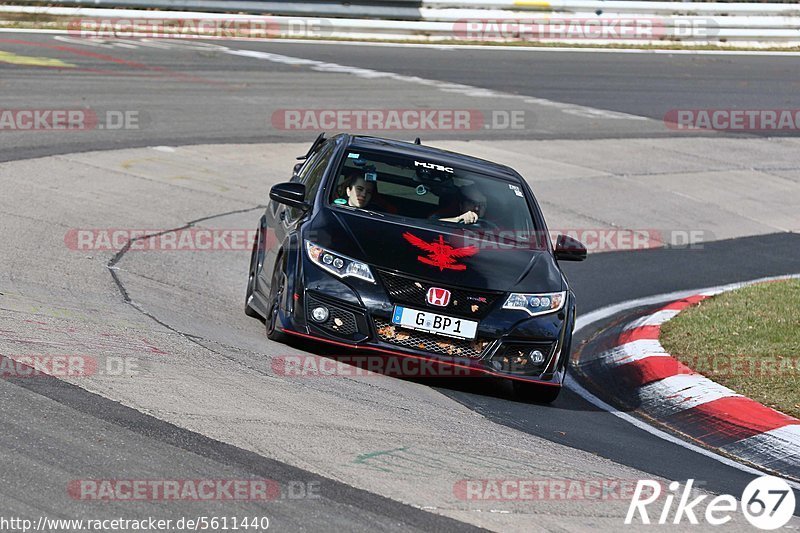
[
  {"x": 340, "y": 201},
  {"x": 433, "y": 166},
  {"x": 516, "y": 190},
  {"x": 353, "y": 156},
  {"x": 422, "y": 190}
]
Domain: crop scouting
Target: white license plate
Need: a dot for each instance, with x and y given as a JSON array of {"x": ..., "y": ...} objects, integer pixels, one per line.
[{"x": 433, "y": 323}]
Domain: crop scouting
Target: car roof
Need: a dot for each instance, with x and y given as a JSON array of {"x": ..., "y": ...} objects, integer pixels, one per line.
[{"x": 436, "y": 155}]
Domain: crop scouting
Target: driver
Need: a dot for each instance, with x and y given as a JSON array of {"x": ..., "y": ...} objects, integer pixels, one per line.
[{"x": 472, "y": 205}]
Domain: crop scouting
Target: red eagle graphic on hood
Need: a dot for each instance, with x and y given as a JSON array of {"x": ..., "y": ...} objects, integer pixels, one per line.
[{"x": 440, "y": 254}]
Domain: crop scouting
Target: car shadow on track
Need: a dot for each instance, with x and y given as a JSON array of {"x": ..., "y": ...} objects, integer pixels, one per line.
[{"x": 465, "y": 387}]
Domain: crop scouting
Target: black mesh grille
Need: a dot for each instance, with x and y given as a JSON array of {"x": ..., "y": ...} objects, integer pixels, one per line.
[
  {"x": 419, "y": 340},
  {"x": 463, "y": 302},
  {"x": 340, "y": 321}
]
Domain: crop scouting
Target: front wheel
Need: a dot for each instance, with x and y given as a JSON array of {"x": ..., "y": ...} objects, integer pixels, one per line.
[
  {"x": 535, "y": 393},
  {"x": 275, "y": 296}
]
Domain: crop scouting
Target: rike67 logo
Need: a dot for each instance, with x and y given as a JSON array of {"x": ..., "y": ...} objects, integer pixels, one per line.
[{"x": 767, "y": 503}]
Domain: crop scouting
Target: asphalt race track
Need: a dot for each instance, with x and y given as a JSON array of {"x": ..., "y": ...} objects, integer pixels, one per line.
[{"x": 202, "y": 400}]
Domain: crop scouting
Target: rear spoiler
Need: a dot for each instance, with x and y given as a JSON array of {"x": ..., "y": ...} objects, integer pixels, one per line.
[{"x": 319, "y": 140}]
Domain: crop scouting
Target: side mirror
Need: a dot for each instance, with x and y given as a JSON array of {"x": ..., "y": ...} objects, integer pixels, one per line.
[
  {"x": 569, "y": 249},
  {"x": 291, "y": 194}
]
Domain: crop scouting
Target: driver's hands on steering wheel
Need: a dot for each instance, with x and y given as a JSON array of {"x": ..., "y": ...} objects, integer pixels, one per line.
[{"x": 470, "y": 217}]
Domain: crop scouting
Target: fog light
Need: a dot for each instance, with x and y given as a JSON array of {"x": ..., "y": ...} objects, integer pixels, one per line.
[
  {"x": 536, "y": 357},
  {"x": 320, "y": 314}
]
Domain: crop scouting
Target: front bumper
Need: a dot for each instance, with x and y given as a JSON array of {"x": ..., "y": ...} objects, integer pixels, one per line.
[{"x": 360, "y": 320}]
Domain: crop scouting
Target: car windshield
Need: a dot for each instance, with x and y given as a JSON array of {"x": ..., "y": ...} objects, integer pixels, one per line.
[{"x": 430, "y": 192}]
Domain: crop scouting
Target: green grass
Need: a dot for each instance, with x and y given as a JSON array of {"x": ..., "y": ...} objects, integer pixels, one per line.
[{"x": 747, "y": 340}]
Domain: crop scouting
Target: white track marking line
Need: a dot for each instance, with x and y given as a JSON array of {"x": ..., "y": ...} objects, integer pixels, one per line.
[
  {"x": 102, "y": 43},
  {"x": 591, "y": 398},
  {"x": 610, "y": 310},
  {"x": 583, "y": 111},
  {"x": 82, "y": 42},
  {"x": 23, "y": 30},
  {"x": 468, "y": 90},
  {"x": 183, "y": 44},
  {"x": 606, "y": 312}
]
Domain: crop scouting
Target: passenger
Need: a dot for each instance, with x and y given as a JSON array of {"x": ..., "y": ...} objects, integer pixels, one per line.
[{"x": 358, "y": 191}]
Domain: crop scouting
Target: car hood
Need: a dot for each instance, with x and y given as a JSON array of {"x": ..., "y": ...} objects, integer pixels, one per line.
[{"x": 441, "y": 256}]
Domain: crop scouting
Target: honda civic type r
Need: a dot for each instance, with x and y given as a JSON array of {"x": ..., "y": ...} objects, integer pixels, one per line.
[{"x": 408, "y": 250}]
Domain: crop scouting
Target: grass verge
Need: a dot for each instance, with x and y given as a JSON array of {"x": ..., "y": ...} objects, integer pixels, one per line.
[{"x": 747, "y": 340}]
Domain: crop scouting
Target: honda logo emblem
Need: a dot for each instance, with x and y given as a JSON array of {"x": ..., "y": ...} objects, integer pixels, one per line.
[{"x": 437, "y": 296}]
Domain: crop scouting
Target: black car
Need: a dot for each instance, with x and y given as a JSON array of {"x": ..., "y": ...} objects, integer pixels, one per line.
[{"x": 403, "y": 249}]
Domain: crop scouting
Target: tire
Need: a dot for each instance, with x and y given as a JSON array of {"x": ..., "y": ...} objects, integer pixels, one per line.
[
  {"x": 251, "y": 279},
  {"x": 534, "y": 393},
  {"x": 275, "y": 295}
]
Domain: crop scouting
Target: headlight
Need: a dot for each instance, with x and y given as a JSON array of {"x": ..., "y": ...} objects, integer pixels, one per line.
[
  {"x": 339, "y": 265},
  {"x": 536, "y": 304}
]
